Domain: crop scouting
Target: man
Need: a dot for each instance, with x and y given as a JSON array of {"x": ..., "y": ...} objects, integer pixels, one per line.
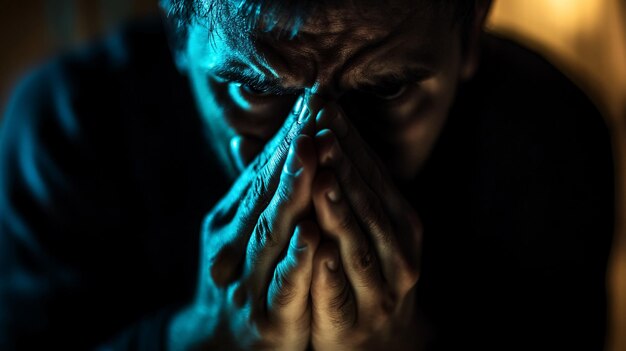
[{"x": 363, "y": 175}]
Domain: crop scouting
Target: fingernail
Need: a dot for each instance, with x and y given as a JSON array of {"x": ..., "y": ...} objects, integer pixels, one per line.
[
  {"x": 339, "y": 125},
  {"x": 293, "y": 165},
  {"x": 331, "y": 265},
  {"x": 321, "y": 120},
  {"x": 334, "y": 194},
  {"x": 298, "y": 243},
  {"x": 304, "y": 113},
  {"x": 297, "y": 108}
]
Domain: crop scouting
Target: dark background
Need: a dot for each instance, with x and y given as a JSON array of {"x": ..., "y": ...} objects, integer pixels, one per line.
[
  {"x": 584, "y": 38},
  {"x": 32, "y": 30}
]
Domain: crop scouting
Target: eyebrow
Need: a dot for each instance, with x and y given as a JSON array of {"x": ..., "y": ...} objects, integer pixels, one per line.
[
  {"x": 393, "y": 79},
  {"x": 271, "y": 85},
  {"x": 255, "y": 80}
]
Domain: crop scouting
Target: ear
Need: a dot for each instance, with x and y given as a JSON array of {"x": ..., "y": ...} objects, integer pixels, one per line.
[{"x": 471, "y": 46}]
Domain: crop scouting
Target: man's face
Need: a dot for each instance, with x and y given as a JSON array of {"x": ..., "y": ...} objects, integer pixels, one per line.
[{"x": 392, "y": 67}]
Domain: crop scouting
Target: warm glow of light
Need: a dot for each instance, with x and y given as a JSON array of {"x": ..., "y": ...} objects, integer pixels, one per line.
[
  {"x": 573, "y": 15},
  {"x": 587, "y": 40}
]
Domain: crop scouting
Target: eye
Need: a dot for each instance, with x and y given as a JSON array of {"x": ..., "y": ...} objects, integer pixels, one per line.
[
  {"x": 390, "y": 92},
  {"x": 250, "y": 90}
]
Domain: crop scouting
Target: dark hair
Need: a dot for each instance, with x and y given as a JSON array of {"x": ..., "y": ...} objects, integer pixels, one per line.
[{"x": 288, "y": 15}]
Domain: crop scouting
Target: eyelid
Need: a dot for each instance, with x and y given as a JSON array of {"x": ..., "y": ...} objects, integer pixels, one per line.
[
  {"x": 401, "y": 91},
  {"x": 269, "y": 87},
  {"x": 392, "y": 82}
]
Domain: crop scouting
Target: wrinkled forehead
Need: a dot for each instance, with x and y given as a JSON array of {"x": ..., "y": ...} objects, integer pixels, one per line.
[
  {"x": 328, "y": 36},
  {"x": 240, "y": 21}
]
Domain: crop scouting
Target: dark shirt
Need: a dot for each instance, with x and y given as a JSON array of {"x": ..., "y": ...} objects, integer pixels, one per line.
[{"x": 106, "y": 174}]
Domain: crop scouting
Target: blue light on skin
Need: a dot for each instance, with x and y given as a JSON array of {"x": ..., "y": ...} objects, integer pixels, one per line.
[
  {"x": 224, "y": 105},
  {"x": 235, "y": 93},
  {"x": 208, "y": 104}
]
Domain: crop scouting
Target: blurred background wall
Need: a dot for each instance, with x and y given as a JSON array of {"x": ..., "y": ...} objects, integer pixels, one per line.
[
  {"x": 586, "y": 39},
  {"x": 31, "y": 30}
]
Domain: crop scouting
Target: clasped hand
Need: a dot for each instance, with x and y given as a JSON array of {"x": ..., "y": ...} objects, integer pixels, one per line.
[{"x": 312, "y": 246}]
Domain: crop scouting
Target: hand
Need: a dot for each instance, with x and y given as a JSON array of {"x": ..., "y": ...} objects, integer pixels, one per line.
[
  {"x": 257, "y": 251},
  {"x": 364, "y": 278}
]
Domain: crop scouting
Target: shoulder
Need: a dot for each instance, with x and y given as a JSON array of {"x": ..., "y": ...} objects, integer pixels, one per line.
[
  {"x": 88, "y": 89},
  {"x": 93, "y": 95},
  {"x": 521, "y": 102},
  {"x": 71, "y": 118},
  {"x": 530, "y": 137},
  {"x": 514, "y": 79}
]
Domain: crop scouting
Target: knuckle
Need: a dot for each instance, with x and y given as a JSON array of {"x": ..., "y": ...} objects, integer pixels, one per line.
[
  {"x": 284, "y": 194},
  {"x": 366, "y": 261},
  {"x": 263, "y": 232},
  {"x": 373, "y": 217},
  {"x": 247, "y": 205},
  {"x": 264, "y": 157},
  {"x": 408, "y": 278},
  {"x": 259, "y": 162},
  {"x": 259, "y": 187},
  {"x": 376, "y": 222},
  {"x": 364, "y": 258},
  {"x": 342, "y": 309},
  {"x": 344, "y": 223},
  {"x": 285, "y": 289}
]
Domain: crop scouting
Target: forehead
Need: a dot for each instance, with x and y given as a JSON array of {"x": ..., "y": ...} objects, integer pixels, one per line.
[{"x": 332, "y": 36}]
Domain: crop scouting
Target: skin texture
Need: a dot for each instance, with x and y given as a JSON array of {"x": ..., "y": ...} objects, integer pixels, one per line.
[
  {"x": 340, "y": 56},
  {"x": 314, "y": 245}
]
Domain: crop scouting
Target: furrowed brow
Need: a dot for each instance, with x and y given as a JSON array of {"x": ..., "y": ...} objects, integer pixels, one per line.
[
  {"x": 392, "y": 79},
  {"x": 254, "y": 80}
]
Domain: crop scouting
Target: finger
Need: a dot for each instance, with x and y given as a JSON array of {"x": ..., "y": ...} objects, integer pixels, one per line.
[
  {"x": 370, "y": 212},
  {"x": 269, "y": 159},
  {"x": 249, "y": 196},
  {"x": 365, "y": 159},
  {"x": 267, "y": 167},
  {"x": 359, "y": 261},
  {"x": 376, "y": 176},
  {"x": 333, "y": 306},
  {"x": 288, "y": 294},
  {"x": 287, "y": 207}
]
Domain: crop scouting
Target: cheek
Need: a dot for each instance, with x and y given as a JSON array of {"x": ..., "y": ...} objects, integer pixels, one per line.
[
  {"x": 239, "y": 127},
  {"x": 223, "y": 105},
  {"x": 417, "y": 139},
  {"x": 231, "y": 108},
  {"x": 404, "y": 131},
  {"x": 254, "y": 116}
]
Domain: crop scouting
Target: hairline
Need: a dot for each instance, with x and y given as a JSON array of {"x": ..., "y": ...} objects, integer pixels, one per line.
[{"x": 272, "y": 15}]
